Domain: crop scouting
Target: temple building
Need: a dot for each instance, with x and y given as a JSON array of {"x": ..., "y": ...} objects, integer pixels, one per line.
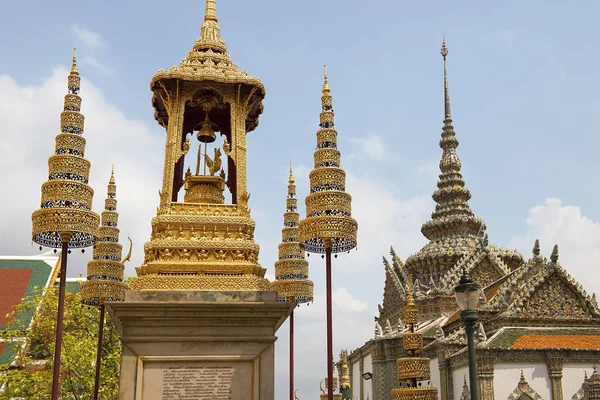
[{"x": 539, "y": 331}]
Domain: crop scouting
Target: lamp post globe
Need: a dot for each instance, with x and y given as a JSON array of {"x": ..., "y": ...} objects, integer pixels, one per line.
[{"x": 467, "y": 296}]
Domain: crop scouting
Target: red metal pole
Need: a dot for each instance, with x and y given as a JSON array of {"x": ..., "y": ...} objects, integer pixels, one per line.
[
  {"x": 292, "y": 356},
  {"x": 99, "y": 355},
  {"x": 59, "y": 319},
  {"x": 329, "y": 325}
]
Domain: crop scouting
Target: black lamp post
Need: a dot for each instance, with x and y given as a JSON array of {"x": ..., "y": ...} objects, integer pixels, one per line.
[{"x": 467, "y": 297}]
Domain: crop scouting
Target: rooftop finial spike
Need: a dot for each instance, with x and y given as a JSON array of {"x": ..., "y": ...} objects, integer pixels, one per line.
[
  {"x": 291, "y": 180},
  {"x": 325, "y": 83},
  {"x": 210, "y": 14},
  {"x": 112, "y": 175},
  {"x": 74, "y": 69},
  {"x": 447, "y": 113}
]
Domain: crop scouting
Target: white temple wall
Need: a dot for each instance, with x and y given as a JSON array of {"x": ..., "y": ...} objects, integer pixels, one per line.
[
  {"x": 368, "y": 385},
  {"x": 355, "y": 384},
  {"x": 458, "y": 379},
  {"x": 434, "y": 367},
  {"x": 572, "y": 378},
  {"x": 506, "y": 378}
]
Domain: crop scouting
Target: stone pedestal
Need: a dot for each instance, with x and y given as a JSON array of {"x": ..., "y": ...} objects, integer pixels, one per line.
[{"x": 200, "y": 345}]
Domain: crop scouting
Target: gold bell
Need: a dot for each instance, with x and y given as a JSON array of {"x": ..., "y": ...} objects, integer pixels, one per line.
[{"x": 206, "y": 134}]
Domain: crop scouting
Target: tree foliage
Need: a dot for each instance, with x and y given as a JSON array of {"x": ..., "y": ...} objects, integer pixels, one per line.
[{"x": 30, "y": 376}]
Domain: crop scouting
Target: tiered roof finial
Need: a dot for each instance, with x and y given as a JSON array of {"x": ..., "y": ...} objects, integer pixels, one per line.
[
  {"x": 74, "y": 69},
  {"x": 105, "y": 270},
  {"x": 412, "y": 370},
  {"x": 328, "y": 206},
  {"x": 291, "y": 270},
  {"x": 65, "y": 213},
  {"x": 452, "y": 214}
]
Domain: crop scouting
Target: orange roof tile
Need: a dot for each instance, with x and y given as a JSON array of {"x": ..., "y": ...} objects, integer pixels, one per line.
[
  {"x": 15, "y": 281},
  {"x": 582, "y": 342}
]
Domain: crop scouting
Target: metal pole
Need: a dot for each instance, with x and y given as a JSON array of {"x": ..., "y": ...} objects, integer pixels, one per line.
[
  {"x": 59, "y": 319},
  {"x": 329, "y": 324},
  {"x": 99, "y": 354},
  {"x": 292, "y": 356},
  {"x": 469, "y": 318}
]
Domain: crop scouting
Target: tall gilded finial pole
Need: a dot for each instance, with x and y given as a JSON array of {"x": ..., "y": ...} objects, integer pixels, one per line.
[
  {"x": 105, "y": 270},
  {"x": 65, "y": 218},
  {"x": 447, "y": 113},
  {"x": 413, "y": 370},
  {"x": 291, "y": 271},
  {"x": 328, "y": 226}
]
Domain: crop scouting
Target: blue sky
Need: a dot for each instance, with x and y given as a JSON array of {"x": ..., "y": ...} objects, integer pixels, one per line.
[{"x": 524, "y": 87}]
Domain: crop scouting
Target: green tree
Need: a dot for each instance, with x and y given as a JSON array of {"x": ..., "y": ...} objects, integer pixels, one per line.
[{"x": 31, "y": 375}]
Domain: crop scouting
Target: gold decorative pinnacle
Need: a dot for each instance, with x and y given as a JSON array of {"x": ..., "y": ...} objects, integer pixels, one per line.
[
  {"x": 291, "y": 270},
  {"x": 344, "y": 370},
  {"x": 105, "y": 270},
  {"x": 328, "y": 222},
  {"x": 412, "y": 369},
  {"x": 65, "y": 213},
  {"x": 74, "y": 69}
]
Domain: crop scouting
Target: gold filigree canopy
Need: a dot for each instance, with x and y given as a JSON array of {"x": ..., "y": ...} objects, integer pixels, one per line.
[
  {"x": 65, "y": 213},
  {"x": 412, "y": 370},
  {"x": 105, "y": 270},
  {"x": 204, "y": 241},
  {"x": 328, "y": 221},
  {"x": 207, "y": 61},
  {"x": 291, "y": 270}
]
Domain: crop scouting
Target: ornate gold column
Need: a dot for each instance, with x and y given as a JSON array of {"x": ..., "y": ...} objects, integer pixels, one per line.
[
  {"x": 446, "y": 384},
  {"x": 555, "y": 365},
  {"x": 485, "y": 377}
]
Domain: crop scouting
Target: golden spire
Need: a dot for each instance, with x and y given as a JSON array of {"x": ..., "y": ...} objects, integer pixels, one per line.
[
  {"x": 112, "y": 176},
  {"x": 412, "y": 369},
  {"x": 291, "y": 270},
  {"x": 74, "y": 70},
  {"x": 328, "y": 221},
  {"x": 326, "y": 89},
  {"x": 210, "y": 13},
  {"x": 65, "y": 213},
  {"x": 210, "y": 33},
  {"x": 105, "y": 270}
]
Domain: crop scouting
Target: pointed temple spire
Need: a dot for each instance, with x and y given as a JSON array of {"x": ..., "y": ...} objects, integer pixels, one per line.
[
  {"x": 66, "y": 205},
  {"x": 105, "y": 270},
  {"x": 413, "y": 369},
  {"x": 452, "y": 214},
  {"x": 328, "y": 206},
  {"x": 291, "y": 270}
]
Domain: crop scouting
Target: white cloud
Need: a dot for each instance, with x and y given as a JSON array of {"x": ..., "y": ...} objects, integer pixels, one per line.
[
  {"x": 136, "y": 151},
  {"x": 372, "y": 146},
  {"x": 344, "y": 301},
  {"x": 577, "y": 236},
  {"x": 91, "y": 40}
]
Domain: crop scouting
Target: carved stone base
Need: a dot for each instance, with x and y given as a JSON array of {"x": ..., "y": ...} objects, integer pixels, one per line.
[{"x": 210, "y": 345}]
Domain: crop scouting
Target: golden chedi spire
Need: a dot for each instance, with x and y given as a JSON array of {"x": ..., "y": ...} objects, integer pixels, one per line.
[
  {"x": 203, "y": 236},
  {"x": 413, "y": 370},
  {"x": 105, "y": 270},
  {"x": 328, "y": 221},
  {"x": 66, "y": 205},
  {"x": 291, "y": 270}
]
